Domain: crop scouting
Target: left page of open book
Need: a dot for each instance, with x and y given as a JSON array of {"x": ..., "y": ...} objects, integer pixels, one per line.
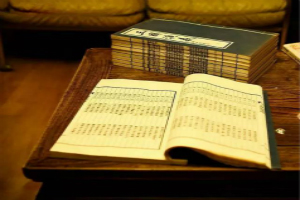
[{"x": 121, "y": 120}]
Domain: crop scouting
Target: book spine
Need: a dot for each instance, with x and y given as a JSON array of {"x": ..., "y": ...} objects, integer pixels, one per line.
[
  {"x": 236, "y": 67},
  {"x": 216, "y": 56},
  {"x": 197, "y": 61},
  {"x": 180, "y": 60},
  {"x": 130, "y": 51},
  {"x": 154, "y": 50},
  {"x": 174, "y": 59}
]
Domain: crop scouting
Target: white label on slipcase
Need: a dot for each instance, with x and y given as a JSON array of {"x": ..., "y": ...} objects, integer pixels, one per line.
[{"x": 185, "y": 39}]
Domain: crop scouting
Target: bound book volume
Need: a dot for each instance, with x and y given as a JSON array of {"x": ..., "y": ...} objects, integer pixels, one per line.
[
  {"x": 144, "y": 121},
  {"x": 293, "y": 50},
  {"x": 182, "y": 48}
]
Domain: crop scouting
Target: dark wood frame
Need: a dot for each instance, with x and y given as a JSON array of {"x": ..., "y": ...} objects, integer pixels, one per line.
[{"x": 285, "y": 24}]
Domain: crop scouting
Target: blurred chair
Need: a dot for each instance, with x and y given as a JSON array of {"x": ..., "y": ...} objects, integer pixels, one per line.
[
  {"x": 114, "y": 15},
  {"x": 90, "y": 15}
]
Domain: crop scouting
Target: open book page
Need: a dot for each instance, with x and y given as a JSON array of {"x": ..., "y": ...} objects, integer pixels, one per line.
[
  {"x": 222, "y": 117},
  {"x": 122, "y": 118}
]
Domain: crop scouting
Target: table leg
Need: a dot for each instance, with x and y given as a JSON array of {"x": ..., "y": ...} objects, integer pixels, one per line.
[{"x": 3, "y": 66}]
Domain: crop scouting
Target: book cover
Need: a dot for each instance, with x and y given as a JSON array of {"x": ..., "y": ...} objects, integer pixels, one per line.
[{"x": 226, "y": 39}]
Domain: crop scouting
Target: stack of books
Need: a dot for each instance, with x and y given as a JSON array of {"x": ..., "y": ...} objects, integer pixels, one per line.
[{"x": 182, "y": 48}]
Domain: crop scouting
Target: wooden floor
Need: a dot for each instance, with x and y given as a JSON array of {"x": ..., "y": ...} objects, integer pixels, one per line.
[{"x": 28, "y": 97}]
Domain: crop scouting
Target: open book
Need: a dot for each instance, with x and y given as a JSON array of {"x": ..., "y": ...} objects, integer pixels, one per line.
[{"x": 142, "y": 121}]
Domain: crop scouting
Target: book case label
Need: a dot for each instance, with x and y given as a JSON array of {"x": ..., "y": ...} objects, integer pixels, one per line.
[{"x": 185, "y": 39}]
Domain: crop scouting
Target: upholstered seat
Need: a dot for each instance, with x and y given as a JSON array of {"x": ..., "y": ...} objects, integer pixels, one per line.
[
  {"x": 74, "y": 14},
  {"x": 72, "y": 21},
  {"x": 241, "y": 20},
  {"x": 245, "y": 13},
  {"x": 101, "y": 7}
]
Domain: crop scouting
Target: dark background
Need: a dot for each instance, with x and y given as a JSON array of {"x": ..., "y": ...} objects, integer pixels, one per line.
[{"x": 293, "y": 32}]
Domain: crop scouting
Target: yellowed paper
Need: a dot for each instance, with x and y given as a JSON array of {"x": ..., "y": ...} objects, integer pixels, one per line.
[
  {"x": 122, "y": 118},
  {"x": 223, "y": 117}
]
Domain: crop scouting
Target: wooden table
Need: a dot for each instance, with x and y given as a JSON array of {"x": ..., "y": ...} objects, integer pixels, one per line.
[{"x": 81, "y": 178}]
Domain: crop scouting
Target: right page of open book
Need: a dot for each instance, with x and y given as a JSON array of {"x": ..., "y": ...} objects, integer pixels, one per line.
[{"x": 223, "y": 119}]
